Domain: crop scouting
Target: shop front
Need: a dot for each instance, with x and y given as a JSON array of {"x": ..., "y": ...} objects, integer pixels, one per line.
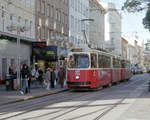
[{"x": 47, "y": 56}]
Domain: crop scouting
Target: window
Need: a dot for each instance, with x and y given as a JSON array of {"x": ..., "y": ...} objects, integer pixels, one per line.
[
  {"x": 93, "y": 60},
  {"x": 76, "y": 25},
  {"x": 31, "y": 29},
  {"x": 72, "y": 3},
  {"x": 57, "y": 14},
  {"x": 52, "y": 11},
  {"x": 104, "y": 61},
  {"x": 43, "y": 33},
  {"x": 76, "y": 5},
  {"x": 39, "y": 6},
  {"x": 72, "y": 23},
  {"x": 116, "y": 63},
  {"x": 43, "y": 7},
  {"x": 11, "y": 19},
  {"x": 62, "y": 17},
  {"x": 48, "y": 10},
  {"x": 78, "y": 61}
]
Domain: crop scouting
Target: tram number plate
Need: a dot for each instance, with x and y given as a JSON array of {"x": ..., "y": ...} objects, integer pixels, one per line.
[{"x": 77, "y": 72}]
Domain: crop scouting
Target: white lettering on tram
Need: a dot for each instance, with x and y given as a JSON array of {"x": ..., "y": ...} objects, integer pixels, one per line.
[{"x": 77, "y": 72}]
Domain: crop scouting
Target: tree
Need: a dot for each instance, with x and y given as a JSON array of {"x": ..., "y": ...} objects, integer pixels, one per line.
[{"x": 139, "y": 5}]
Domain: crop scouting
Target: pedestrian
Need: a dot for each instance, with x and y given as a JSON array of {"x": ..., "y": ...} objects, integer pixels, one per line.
[
  {"x": 29, "y": 81},
  {"x": 12, "y": 73},
  {"x": 48, "y": 79},
  {"x": 25, "y": 77},
  {"x": 40, "y": 78},
  {"x": 33, "y": 72},
  {"x": 53, "y": 78},
  {"x": 61, "y": 76},
  {"x": 56, "y": 74},
  {"x": 11, "y": 69}
]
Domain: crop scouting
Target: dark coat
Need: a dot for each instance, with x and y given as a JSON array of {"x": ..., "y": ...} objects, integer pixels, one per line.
[
  {"x": 25, "y": 73},
  {"x": 53, "y": 76}
]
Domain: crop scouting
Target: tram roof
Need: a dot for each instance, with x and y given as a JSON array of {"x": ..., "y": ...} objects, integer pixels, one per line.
[{"x": 95, "y": 51}]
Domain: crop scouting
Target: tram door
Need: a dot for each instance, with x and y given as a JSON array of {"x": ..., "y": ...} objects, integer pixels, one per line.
[{"x": 93, "y": 69}]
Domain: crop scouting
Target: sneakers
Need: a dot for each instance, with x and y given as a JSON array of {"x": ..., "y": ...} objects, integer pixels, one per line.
[{"x": 21, "y": 92}]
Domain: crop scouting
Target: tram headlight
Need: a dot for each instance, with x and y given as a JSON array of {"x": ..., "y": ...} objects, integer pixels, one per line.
[{"x": 77, "y": 77}]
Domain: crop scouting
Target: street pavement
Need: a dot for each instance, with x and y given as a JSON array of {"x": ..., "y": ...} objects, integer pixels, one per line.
[
  {"x": 8, "y": 97},
  {"x": 125, "y": 101}
]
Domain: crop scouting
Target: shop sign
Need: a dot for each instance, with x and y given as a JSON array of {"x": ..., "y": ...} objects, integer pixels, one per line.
[
  {"x": 62, "y": 52},
  {"x": 51, "y": 50},
  {"x": 36, "y": 44}
]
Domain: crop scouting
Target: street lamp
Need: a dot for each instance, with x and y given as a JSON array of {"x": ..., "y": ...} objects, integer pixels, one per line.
[{"x": 19, "y": 29}]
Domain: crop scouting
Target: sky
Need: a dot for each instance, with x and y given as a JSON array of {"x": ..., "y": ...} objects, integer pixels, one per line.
[{"x": 132, "y": 22}]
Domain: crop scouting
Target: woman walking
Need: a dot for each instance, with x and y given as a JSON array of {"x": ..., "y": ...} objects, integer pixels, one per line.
[{"x": 25, "y": 77}]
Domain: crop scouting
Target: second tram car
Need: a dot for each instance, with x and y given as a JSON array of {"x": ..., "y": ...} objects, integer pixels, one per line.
[{"x": 95, "y": 69}]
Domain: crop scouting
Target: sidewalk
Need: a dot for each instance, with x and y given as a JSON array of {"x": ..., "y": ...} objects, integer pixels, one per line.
[{"x": 7, "y": 97}]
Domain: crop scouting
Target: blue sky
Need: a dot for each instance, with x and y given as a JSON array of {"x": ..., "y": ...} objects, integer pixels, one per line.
[{"x": 132, "y": 22}]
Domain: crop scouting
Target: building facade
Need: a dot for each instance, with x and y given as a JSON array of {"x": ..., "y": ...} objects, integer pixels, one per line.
[
  {"x": 16, "y": 14},
  {"x": 135, "y": 50},
  {"x": 52, "y": 18},
  {"x": 52, "y": 28},
  {"x": 124, "y": 48},
  {"x": 97, "y": 27},
  {"x": 113, "y": 29},
  {"x": 78, "y": 25}
]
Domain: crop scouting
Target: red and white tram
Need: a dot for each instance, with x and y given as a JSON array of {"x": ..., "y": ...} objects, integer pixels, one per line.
[{"x": 95, "y": 69}]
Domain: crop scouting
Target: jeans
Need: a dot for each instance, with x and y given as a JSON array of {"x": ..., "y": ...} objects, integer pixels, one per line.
[{"x": 24, "y": 85}]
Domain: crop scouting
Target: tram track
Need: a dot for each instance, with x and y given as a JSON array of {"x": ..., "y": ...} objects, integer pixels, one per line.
[
  {"x": 34, "y": 107},
  {"x": 109, "y": 109}
]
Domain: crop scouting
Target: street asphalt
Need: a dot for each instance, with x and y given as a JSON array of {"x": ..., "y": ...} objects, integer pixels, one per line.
[{"x": 125, "y": 101}]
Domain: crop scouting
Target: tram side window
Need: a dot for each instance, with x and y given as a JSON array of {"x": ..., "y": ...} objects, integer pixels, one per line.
[
  {"x": 107, "y": 62},
  {"x": 104, "y": 61},
  {"x": 93, "y": 61},
  {"x": 123, "y": 64},
  {"x": 116, "y": 63},
  {"x": 100, "y": 61}
]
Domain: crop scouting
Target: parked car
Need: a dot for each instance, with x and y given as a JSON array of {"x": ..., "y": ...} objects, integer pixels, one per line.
[
  {"x": 144, "y": 70},
  {"x": 137, "y": 69},
  {"x": 133, "y": 70}
]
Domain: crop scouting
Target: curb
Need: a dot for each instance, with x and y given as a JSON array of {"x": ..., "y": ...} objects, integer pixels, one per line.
[{"x": 33, "y": 97}]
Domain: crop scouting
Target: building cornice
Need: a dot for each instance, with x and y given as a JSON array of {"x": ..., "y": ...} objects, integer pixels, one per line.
[{"x": 9, "y": 36}]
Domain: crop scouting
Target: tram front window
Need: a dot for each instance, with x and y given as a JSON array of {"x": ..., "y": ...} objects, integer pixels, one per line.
[{"x": 79, "y": 61}]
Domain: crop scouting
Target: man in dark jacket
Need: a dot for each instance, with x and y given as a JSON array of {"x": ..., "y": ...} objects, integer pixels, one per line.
[
  {"x": 40, "y": 78},
  {"x": 53, "y": 78},
  {"x": 25, "y": 77}
]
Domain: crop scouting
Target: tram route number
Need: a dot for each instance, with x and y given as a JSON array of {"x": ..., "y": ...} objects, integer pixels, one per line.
[{"x": 77, "y": 72}]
